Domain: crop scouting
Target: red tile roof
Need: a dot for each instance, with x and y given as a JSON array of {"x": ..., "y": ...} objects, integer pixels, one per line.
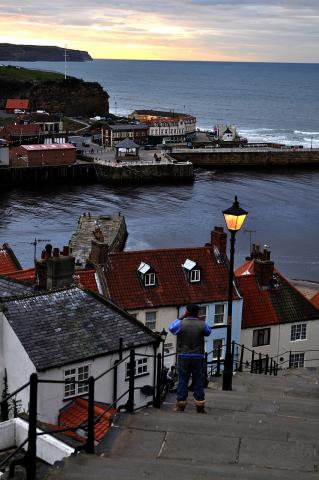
[
  {"x": 280, "y": 303},
  {"x": 13, "y": 103},
  {"x": 173, "y": 288},
  {"x": 87, "y": 279},
  {"x": 8, "y": 261},
  {"x": 75, "y": 414},
  {"x": 315, "y": 300},
  {"x": 23, "y": 130},
  {"x": 26, "y": 275}
]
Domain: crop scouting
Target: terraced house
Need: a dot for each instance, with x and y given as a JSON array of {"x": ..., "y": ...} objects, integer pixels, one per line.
[{"x": 278, "y": 320}]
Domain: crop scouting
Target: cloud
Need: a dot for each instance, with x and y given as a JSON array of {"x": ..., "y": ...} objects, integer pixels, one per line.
[{"x": 265, "y": 30}]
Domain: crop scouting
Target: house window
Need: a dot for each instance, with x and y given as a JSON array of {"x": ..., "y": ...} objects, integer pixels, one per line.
[
  {"x": 218, "y": 343},
  {"x": 202, "y": 313},
  {"x": 261, "y": 337},
  {"x": 297, "y": 360},
  {"x": 219, "y": 314},
  {"x": 140, "y": 368},
  {"x": 78, "y": 374},
  {"x": 135, "y": 315},
  {"x": 149, "y": 279},
  {"x": 298, "y": 332},
  {"x": 150, "y": 320},
  {"x": 194, "y": 276}
]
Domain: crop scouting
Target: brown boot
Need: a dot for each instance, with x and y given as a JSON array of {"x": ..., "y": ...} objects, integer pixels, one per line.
[
  {"x": 180, "y": 406},
  {"x": 200, "y": 406}
]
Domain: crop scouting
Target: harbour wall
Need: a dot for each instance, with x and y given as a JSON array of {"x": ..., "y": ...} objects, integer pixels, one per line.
[
  {"x": 244, "y": 158},
  {"x": 146, "y": 173},
  {"x": 47, "y": 175}
]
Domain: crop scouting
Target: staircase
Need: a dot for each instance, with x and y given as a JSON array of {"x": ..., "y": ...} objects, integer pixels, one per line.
[{"x": 265, "y": 428}]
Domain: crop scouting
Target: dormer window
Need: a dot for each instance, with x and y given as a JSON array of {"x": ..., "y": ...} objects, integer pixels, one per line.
[
  {"x": 147, "y": 274},
  {"x": 149, "y": 279},
  {"x": 192, "y": 270}
]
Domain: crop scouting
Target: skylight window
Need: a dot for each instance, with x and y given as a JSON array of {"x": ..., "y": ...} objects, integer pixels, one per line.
[
  {"x": 143, "y": 268},
  {"x": 189, "y": 264}
]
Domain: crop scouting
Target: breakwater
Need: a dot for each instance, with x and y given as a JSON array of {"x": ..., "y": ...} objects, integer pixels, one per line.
[
  {"x": 81, "y": 173},
  {"x": 145, "y": 173},
  {"x": 47, "y": 175},
  {"x": 248, "y": 158}
]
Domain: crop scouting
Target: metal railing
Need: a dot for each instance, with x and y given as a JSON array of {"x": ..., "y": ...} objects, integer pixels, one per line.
[{"x": 257, "y": 364}]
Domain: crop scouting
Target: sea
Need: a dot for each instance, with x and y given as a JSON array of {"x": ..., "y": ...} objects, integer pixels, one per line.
[{"x": 272, "y": 102}]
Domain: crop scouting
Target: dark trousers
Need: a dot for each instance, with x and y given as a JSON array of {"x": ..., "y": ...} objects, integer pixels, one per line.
[{"x": 195, "y": 367}]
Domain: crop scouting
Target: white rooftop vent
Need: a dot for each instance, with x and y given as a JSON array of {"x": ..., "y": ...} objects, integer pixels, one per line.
[
  {"x": 143, "y": 268},
  {"x": 189, "y": 264}
]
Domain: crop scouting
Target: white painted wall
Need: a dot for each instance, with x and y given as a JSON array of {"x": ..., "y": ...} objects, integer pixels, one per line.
[
  {"x": 16, "y": 361},
  {"x": 15, "y": 431},
  {"x": 280, "y": 343},
  {"x": 51, "y": 396},
  {"x": 4, "y": 156}
]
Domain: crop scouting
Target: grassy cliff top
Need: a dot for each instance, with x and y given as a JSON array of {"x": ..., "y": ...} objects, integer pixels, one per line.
[{"x": 27, "y": 75}]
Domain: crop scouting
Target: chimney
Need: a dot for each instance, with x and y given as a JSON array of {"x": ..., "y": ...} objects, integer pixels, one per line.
[
  {"x": 55, "y": 271},
  {"x": 264, "y": 268},
  {"x": 99, "y": 252},
  {"x": 219, "y": 239}
]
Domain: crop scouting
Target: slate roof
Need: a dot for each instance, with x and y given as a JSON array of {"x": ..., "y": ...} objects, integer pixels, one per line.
[
  {"x": 12, "y": 288},
  {"x": 8, "y": 261},
  {"x": 68, "y": 326},
  {"x": 172, "y": 286},
  {"x": 281, "y": 303},
  {"x": 127, "y": 143}
]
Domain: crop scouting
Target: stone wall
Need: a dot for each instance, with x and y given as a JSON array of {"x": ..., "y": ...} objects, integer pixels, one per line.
[{"x": 250, "y": 159}]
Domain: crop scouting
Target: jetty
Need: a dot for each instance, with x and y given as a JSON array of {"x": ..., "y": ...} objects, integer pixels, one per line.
[
  {"x": 248, "y": 157},
  {"x": 109, "y": 228}
]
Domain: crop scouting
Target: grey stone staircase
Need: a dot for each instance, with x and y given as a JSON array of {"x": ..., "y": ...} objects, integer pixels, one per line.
[{"x": 265, "y": 428}]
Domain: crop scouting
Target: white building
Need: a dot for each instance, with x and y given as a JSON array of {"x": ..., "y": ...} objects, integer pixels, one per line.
[
  {"x": 69, "y": 336},
  {"x": 278, "y": 320},
  {"x": 166, "y": 126}
]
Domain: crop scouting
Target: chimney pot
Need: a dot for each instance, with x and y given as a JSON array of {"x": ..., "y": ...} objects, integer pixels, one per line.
[
  {"x": 66, "y": 251},
  {"x": 219, "y": 239},
  {"x": 56, "y": 252}
]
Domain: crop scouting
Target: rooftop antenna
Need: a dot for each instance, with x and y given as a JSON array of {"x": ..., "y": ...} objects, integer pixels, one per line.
[
  {"x": 65, "y": 62},
  {"x": 250, "y": 232},
  {"x": 36, "y": 241}
]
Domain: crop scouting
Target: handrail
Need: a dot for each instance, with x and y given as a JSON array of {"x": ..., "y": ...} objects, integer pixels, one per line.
[{"x": 255, "y": 365}]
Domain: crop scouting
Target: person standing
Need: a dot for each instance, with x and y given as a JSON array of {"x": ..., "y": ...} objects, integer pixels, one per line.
[{"x": 190, "y": 332}]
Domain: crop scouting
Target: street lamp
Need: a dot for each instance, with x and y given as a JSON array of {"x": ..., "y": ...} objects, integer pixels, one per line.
[
  {"x": 234, "y": 218},
  {"x": 163, "y": 335}
]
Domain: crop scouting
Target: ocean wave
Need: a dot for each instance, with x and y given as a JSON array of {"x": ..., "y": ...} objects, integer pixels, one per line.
[{"x": 305, "y": 133}]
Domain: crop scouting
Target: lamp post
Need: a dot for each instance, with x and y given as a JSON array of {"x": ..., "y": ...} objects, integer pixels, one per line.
[
  {"x": 234, "y": 218},
  {"x": 163, "y": 335}
]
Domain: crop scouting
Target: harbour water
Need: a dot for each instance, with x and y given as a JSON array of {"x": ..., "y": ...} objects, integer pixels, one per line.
[
  {"x": 266, "y": 101},
  {"x": 283, "y": 213}
]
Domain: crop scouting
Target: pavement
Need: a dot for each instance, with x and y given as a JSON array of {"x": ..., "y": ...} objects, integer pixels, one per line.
[{"x": 265, "y": 428}]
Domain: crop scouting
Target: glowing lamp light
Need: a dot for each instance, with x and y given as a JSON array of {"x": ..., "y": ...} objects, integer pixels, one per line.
[{"x": 234, "y": 217}]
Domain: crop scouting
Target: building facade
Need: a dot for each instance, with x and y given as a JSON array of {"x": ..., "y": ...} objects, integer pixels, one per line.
[
  {"x": 113, "y": 134},
  {"x": 278, "y": 320},
  {"x": 43, "y": 154}
]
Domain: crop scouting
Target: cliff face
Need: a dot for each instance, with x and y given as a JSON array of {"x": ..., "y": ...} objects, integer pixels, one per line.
[
  {"x": 33, "y": 53},
  {"x": 53, "y": 93}
]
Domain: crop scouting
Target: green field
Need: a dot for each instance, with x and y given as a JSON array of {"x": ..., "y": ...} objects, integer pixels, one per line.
[{"x": 27, "y": 75}]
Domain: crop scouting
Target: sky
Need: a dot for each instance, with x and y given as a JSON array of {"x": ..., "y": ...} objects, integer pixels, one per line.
[{"x": 208, "y": 30}]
